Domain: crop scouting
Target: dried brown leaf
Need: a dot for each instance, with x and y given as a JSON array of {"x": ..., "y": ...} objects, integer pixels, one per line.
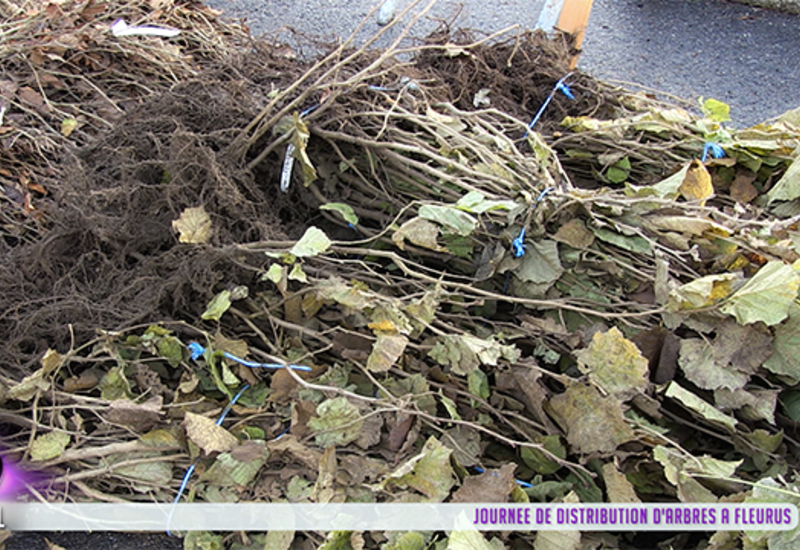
[
  {"x": 420, "y": 232},
  {"x": 31, "y": 97},
  {"x": 574, "y": 234},
  {"x": 139, "y": 417},
  {"x": 194, "y": 226},
  {"x": 325, "y": 487},
  {"x": 398, "y": 433},
  {"x": 387, "y": 350},
  {"x": 205, "y": 433},
  {"x": 290, "y": 445},
  {"x": 490, "y": 486},
  {"x": 742, "y": 188},
  {"x": 618, "y": 488},
  {"x": 593, "y": 423}
]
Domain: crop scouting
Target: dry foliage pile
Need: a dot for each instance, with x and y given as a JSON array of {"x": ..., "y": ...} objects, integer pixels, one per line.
[{"x": 587, "y": 308}]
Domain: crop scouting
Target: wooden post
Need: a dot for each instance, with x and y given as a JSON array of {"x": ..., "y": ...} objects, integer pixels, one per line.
[
  {"x": 573, "y": 19},
  {"x": 569, "y": 16}
]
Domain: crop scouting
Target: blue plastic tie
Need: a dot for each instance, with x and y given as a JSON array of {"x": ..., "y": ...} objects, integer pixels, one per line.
[
  {"x": 517, "y": 245},
  {"x": 230, "y": 405},
  {"x": 309, "y": 110},
  {"x": 518, "y": 481},
  {"x": 184, "y": 482},
  {"x": 542, "y": 195},
  {"x": 564, "y": 89},
  {"x": 198, "y": 350},
  {"x": 560, "y": 86},
  {"x": 354, "y": 228},
  {"x": 190, "y": 469},
  {"x": 716, "y": 151}
]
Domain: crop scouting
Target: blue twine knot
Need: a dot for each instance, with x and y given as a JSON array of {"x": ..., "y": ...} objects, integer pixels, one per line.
[
  {"x": 560, "y": 86},
  {"x": 197, "y": 350},
  {"x": 716, "y": 151},
  {"x": 518, "y": 245},
  {"x": 564, "y": 89}
]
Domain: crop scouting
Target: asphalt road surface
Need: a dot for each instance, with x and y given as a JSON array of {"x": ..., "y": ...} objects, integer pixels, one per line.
[
  {"x": 746, "y": 56},
  {"x": 93, "y": 541}
]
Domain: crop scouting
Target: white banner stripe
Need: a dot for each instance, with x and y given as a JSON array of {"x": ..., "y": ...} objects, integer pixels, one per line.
[{"x": 399, "y": 517}]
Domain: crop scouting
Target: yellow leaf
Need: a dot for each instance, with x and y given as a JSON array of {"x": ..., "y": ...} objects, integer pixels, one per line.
[
  {"x": 51, "y": 361},
  {"x": 702, "y": 292},
  {"x": 159, "y": 438},
  {"x": 385, "y": 325},
  {"x": 300, "y": 141},
  {"x": 615, "y": 364},
  {"x": 68, "y": 125},
  {"x": 194, "y": 226},
  {"x": 205, "y": 433},
  {"x": 697, "y": 183}
]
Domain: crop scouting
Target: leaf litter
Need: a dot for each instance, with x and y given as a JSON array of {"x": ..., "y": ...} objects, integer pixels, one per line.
[{"x": 583, "y": 312}]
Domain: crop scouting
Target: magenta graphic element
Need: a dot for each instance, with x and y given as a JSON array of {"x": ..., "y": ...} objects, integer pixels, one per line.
[{"x": 12, "y": 480}]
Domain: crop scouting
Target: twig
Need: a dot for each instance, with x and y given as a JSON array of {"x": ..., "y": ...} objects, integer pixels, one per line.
[{"x": 126, "y": 447}]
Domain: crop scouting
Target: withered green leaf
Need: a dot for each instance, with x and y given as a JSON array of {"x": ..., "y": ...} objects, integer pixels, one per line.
[
  {"x": 48, "y": 446},
  {"x": 338, "y": 423},
  {"x": 615, "y": 364},
  {"x": 205, "y": 433},
  {"x": 593, "y": 423},
  {"x": 429, "y": 472}
]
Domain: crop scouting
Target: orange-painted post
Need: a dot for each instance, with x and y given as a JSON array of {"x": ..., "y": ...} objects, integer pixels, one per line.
[{"x": 573, "y": 19}]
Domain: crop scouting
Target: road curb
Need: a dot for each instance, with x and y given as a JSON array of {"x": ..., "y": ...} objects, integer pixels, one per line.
[{"x": 789, "y": 6}]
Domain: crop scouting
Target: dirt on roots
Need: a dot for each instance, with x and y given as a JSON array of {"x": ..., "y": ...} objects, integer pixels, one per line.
[{"x": 102, "y": 251}]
